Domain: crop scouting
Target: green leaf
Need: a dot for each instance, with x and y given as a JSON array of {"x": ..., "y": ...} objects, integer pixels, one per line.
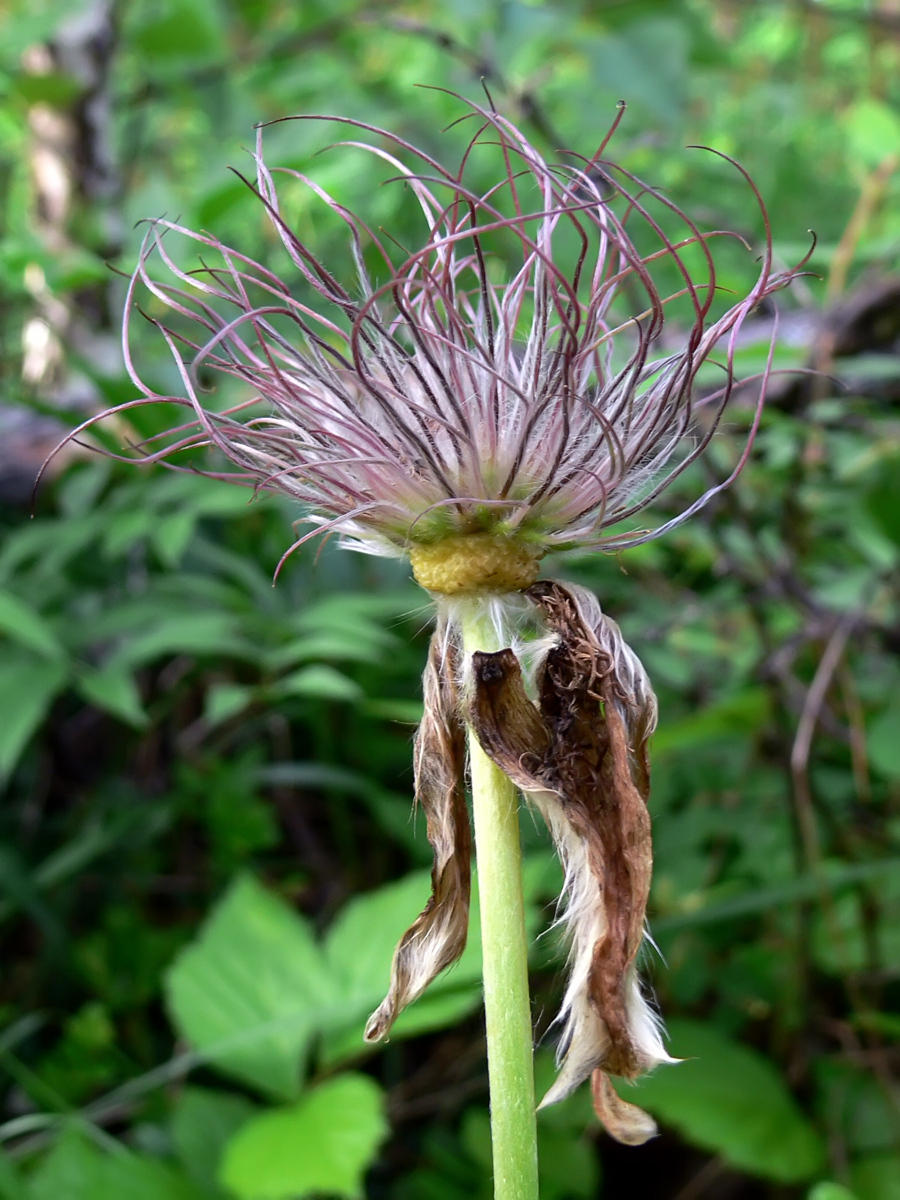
[
  {"x": 567, "y": 1164},
  {"x": 740, "y": 714},
  {"x": 139, "y": 1177},
  {"x": 323, "y": 1144},
  {"x": 27, "y": 689},
  {"x": 23, "y": 625},
  {"x": 76, "y": 1169},
  {"x": 71, "y": 1169},
  {"x": 53, "y": 88},
  {"x": 731, "y": 1100},
  {"x": 347, "y": 645},
  {"x": 360, "y": 947},
  {"x": 252, "y": 989},
  {"x": 202, "y": 1124},
  {"x": 843, "y": 942},
  {"x": 185, "y": 633},
  {"x": 883, "y": 497},
  {"x": 877, "y": 1177},
  {"x": 873, "y": 130},
  {"x": 830, "y": 1191},
  {"x": 181, "y": 29},
  {"x": 883, "y": 742},
  {"x": 12, "y": 1185},
  {"x": 113, "y": 690},
  {"x": 319, "y": 682},
  {"x": 226, "y": 700},
  {"x": 172, "y": 535}
]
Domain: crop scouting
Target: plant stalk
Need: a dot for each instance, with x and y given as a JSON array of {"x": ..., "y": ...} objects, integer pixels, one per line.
[{"x": 507, "y": 1001}]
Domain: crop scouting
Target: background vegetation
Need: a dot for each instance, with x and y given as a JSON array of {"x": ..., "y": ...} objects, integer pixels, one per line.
[{"x": 207, "y": 851}]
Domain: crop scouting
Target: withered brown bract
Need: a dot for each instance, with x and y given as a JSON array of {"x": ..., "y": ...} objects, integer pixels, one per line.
[
  {"x": 579, "y": 754},
  {"x": 438, "y": 936}
]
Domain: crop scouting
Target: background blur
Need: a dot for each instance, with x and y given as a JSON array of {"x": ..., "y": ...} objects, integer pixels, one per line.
[{"x": 207, "y": 850}]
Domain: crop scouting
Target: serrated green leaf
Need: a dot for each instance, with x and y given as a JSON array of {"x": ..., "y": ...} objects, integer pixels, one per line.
[
  {"x": 322, "y": 1144},
  {"x": 252, "y": 989},
  {"x": 728, "y": 1098},
  {"x": 203, "y": 1123},
  {"x": 360, "y": 947}
]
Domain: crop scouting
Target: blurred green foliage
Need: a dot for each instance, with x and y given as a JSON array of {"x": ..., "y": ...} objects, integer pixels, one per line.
[{"x": 207, "y": 852}]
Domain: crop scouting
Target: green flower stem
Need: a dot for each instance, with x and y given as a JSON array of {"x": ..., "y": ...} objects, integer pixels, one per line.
[{"x": 504, "y": 940}]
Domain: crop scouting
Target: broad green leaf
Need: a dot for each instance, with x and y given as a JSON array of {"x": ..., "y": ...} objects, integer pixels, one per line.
[
  {"x": 27, "y": 627},
  {"x": 252, "y": 989},
  {"x": 567, "y": 1165},
  {"x": 877, "y": 1177},
  {"x": 72, "y": 1169},
  {"x": 830, "y": 1191},
  {"x": 202, "y": 1124},
  {"x": 27, "y": 689},
  {"x": 114, "y": 690},
  {"x": 76, "y": 1169},
  {"x": 360, "y": 943},
  {"x": 139, "y": 1177},
  {"x": 360, "y": 948},
  {"x": 731, "y": 1100},
  {"x": 12, "y": 1185},
  {"x": 322, "y": 1144}
]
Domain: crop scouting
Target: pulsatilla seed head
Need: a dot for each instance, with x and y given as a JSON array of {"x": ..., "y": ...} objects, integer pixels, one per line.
[
  {"x": 502, "y": 390},
  {"x": 506, "y": 377}
]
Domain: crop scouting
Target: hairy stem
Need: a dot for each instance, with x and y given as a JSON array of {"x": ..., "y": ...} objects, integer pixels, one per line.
[{"x": 505, "y": 955}]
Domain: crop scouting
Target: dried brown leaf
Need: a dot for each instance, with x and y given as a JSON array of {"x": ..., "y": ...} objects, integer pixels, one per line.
[{"x": 438, "y": 935}]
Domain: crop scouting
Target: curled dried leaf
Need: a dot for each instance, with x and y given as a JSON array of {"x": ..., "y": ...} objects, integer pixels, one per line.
[
  {"x": 438, "y": 935},
  {"x": 581, "y": 756}
]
